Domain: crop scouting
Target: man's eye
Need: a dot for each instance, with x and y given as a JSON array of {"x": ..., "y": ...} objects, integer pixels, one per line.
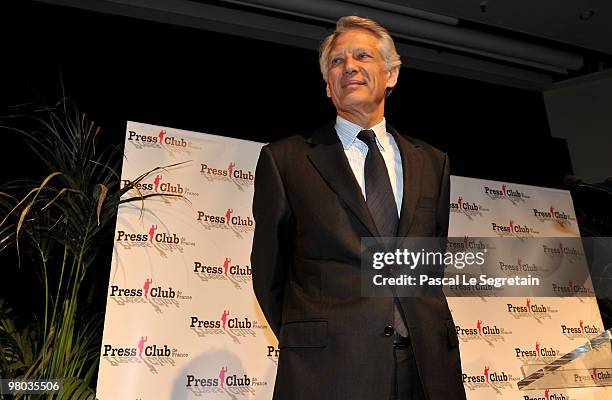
[
  {"x": 363, "y": 55},
  {"x": 336, "y": 61}
]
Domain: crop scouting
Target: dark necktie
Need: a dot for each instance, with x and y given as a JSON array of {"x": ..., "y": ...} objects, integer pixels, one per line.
[
  {"x": 379, "y": 194},
  {"x": 381, "y": 203}
]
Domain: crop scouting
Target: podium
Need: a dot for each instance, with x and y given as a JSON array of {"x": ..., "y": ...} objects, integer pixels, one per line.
[{"x": 588, "y": 365}]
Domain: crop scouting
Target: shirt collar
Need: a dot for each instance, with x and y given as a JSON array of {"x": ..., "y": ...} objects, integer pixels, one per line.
[{"x": 347, "y": 132}]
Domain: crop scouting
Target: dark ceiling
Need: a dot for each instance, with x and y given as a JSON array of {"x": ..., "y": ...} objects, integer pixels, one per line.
[
  {"x": 534, "y": 45},
  {"x": 582, "y": 23}
]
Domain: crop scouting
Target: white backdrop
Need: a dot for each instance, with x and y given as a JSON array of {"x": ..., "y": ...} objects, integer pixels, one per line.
[
  {"x": 492, "y": 329},
  {"x": 181, "y": 320}
]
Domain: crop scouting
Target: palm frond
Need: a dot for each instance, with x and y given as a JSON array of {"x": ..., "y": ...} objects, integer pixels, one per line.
[{"x": 62, "y": 222}]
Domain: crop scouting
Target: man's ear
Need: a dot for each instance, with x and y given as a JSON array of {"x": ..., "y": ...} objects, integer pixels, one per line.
[
  {"x": 393, "y": 75},
  {"x": 327, "y": 89}
]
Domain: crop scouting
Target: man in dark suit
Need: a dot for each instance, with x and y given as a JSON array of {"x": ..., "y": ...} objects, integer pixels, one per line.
[{"x": 315, "y": 199}]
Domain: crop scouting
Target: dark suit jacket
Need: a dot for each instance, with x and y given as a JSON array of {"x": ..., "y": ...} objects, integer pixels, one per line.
[{"x": 310, "y": 217}]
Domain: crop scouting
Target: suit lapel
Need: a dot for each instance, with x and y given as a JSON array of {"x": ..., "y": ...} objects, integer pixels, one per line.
[
  {"x": 411, "y": 166},
  {"x": 328, "y": 157}
]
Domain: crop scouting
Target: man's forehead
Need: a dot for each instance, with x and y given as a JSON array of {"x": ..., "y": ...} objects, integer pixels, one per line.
[
  {"x": 348, "y": 49},
  {"x": 355, "y": 40}
]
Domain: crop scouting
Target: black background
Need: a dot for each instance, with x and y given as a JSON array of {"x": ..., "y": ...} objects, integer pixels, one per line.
[{"x": 118, "y": 69}]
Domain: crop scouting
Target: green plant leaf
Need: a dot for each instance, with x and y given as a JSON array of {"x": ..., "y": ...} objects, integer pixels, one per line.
[
  {"x": 34, "y": 190},
  {"x": 101, "y": 197},
  {"x": 65, "y": 219},
  {"x": 62, "y": 191},
  {"x": 74, "y": 388}
]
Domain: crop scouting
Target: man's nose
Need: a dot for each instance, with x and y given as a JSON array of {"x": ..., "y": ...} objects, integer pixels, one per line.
[{"x": 349, "y": 66}]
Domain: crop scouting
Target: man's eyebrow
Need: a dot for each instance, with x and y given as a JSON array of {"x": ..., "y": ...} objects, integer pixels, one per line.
[{"x": 350, "y": 50}]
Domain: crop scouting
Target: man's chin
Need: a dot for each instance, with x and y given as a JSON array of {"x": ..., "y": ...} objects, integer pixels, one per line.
[{"x": 354, "y": 99}]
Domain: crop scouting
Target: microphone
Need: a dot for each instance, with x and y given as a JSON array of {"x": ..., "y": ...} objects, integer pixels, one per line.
[{"x": 573, "y": 181}]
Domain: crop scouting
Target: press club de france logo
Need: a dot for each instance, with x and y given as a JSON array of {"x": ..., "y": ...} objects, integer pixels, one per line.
[
  {"x": 479, "y": 331},
  {"x": 489, "y": 379},
  {"x": 145, "y": 352},
  {"x": 572, "y": 288},
  {"x": 520, "y": 265},
  {"x": 468, "y": 243},
  {"x": 236, "y": 326},
  {"x": 530, "y": 309},
  {"x": 229, "y": 220},
  {"x": 150, "y": 293},
  {"x": 231, "y": 381},
  {"x": 547, "y": 394},
  {"x": 173, "y": 143},
  {"x": 580, "y": 330},
  {"x": 227, "y": 172},
  {"x": 238, "y": 275},
  {"x": 513, "y": 229},
  {"x": 563, "y": 252},
  {"x": 467, "y": 208},
  {"x": 505, "y": 192},
  {"x": 161, "y": 184},
  {"x": 159, "y": 238},
  {"x": 552, "y": 214},
  {"x": 538, "y": 354}
]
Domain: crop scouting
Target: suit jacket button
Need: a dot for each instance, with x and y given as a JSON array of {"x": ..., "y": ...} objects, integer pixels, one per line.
[{"x": 389, "y": 330}]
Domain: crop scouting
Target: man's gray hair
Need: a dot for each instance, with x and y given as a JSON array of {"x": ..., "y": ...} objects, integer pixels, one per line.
[{"x": 344, "y": 24}]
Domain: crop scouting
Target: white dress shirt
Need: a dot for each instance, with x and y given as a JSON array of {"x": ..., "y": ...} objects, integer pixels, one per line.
[{"x": 356, "y": 152}]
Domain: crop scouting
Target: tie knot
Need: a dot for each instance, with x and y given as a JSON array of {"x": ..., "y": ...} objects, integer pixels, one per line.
[{"x": 367, "y": 136}]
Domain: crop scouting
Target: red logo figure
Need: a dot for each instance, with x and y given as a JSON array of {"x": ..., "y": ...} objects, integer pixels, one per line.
[
  {"x": 546, "y": 394},
  {"x": 146, "y": 287},
  {"x": 152, "y": 232},
  {"x": 228, "y": 213},
  {"x": 226, "y": 264},
  {"x": 486, "y": 373},
  {"x": 479, "y": 326},
  {"x": 538, "y": 348},
  {"x": 230, "y": 168},
  {"x": 511, "y": 225},
  {"x": 528, "y": 305},
  {"x": 224, "y": 317},
  {"x": 156, "y": 181},
  {"x": 465, "y": 241},
  {"x": 460, "y": 201},
  {"x": 552, "y": 211},
  {"x": 222, "y": 375},
  {"x": 504, "y": 189},
  {"x": 161, "y": 136},
  {"x": 581, "y": 327},
  {"x": 520, "y": 262},
  {"x": 141, "y": 343},
  {"x": 561, "y": 247}
]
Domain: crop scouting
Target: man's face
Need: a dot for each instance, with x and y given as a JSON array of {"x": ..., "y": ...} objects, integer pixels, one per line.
[{"x": 356, "y": 71}]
